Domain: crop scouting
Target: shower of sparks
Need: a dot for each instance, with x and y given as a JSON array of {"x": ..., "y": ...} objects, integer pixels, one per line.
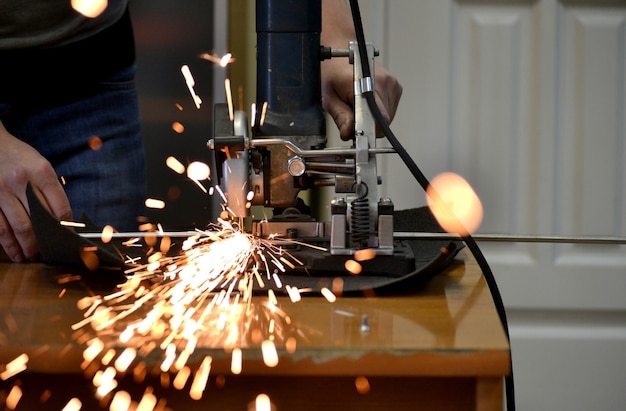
[
  {"x": 199, "y": 297},
  {"x": 190, "y": 84}
]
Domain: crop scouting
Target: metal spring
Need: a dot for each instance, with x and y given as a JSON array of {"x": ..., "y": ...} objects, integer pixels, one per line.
[{"x": 360, "y": 218}]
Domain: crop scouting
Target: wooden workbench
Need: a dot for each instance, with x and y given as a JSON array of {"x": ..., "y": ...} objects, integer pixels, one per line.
[{"x": 440, "y": 349}]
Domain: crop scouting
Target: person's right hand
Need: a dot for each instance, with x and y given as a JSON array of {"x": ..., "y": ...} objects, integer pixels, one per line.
[{"x": 19, "y": 165}]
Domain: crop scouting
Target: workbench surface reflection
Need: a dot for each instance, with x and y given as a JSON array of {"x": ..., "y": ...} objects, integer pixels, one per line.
[{"x": 442, "y": 348}]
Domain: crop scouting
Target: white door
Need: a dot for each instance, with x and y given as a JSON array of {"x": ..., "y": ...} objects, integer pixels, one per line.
[{"x": 526, "y": 99}]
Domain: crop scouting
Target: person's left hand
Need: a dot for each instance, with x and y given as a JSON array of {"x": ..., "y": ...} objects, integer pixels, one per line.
[{"x": 338, "y": 94}]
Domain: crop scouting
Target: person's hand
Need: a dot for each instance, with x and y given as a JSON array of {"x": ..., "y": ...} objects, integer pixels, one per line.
[
  {"x": 338, "y": 94},
  {"x": 337, "y": 75},
  {"x": 20, "y": 164}
]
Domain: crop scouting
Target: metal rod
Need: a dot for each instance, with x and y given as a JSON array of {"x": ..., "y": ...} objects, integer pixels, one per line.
[
  {"x": 143, "y": 234},
  {"x": 516, "y": 238},
  {"x": 509, "y": 238}
]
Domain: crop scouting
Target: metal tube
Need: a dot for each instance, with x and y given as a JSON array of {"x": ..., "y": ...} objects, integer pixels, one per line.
[{"x": 516, "y": 238}]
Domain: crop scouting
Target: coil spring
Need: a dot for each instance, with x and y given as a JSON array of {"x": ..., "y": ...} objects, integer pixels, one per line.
[{"x": 360, "y": 217}]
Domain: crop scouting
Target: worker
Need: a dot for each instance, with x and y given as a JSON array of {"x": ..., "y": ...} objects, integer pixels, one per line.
[{"x": 70, "y": 120}]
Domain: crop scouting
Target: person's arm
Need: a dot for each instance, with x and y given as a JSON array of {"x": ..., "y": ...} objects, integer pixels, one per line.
[
  {"x": 19, "y": 164},
  {"x": 337, "y": 77}
]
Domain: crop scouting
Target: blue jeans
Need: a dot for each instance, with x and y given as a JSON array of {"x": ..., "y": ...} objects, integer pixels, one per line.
[{"x": 95, "y": 144}]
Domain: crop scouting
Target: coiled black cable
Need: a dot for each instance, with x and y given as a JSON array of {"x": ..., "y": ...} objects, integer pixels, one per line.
[{"x": 425, "y": 184}]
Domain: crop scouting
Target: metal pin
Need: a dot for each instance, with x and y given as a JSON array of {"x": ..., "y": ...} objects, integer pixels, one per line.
[{"x": 365, "y": 324}]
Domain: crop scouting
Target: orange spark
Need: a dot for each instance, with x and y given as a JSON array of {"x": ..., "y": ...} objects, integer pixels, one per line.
[
  {"x": 454, "y": 204},
  {"x": 14, "y": 397},
  {"x": 178, "y": 127},
  {"x": 362, "y": 385},
  {"x": 365, "y": 254},
  {"x": 200, "y": 379},
  {"x": 328, "y": 295},
  {"x": 14, "y": 367},
  {"x": 353, "y": 267},
  {"x": 95, "y": 143},
  {"x": 221, "y": 61},
  {"x": 107, "y": 234}
]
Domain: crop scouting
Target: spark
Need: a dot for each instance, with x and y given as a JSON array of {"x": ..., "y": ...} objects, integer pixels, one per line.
[
  {"x": 121, "y": 401},
  {"x": 263, "y": 113},
  {"x": 175, "y": 165},
  {"x": 198, "y": 171},
  {"x": 229, "y": 99},
  {"x": 154, "y": 203},
  {"x": 178, "y": 127},
  {"x": 328, "y": 295},
  {"x": 454, "y": 203},
  {"x": 262, "y": 403},
  {"x": 73, "y": 405},
  {"x": 148, "y": 402},
  {"x": 181, "y": 378},
  {"x": 221, "y": 61},
  {"x": 365, "y": 254},
  {"x": 125, "y": 359},
  {"x": 200, "y": 379},
  {"x": 72, "y": 224},
  {"x": 270, "y": 355},
  {"x": 353, "y": 267},
  {"x": 226, "y": 58},
  {"x": 362, "y": 385},
  {"x": 14, "y": 367},
  {"x": 107, "y": 234},
  {"x": 14, "y": 397},
  {"x": 95, "y": 143},
  {"x": 252, "y": 115},
  {"x": 89, "y": 8},
  {"x": 190, "y": 84}
]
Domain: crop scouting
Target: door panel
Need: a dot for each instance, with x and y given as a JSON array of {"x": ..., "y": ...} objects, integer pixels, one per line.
[{"x": 526, "y": 99}]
